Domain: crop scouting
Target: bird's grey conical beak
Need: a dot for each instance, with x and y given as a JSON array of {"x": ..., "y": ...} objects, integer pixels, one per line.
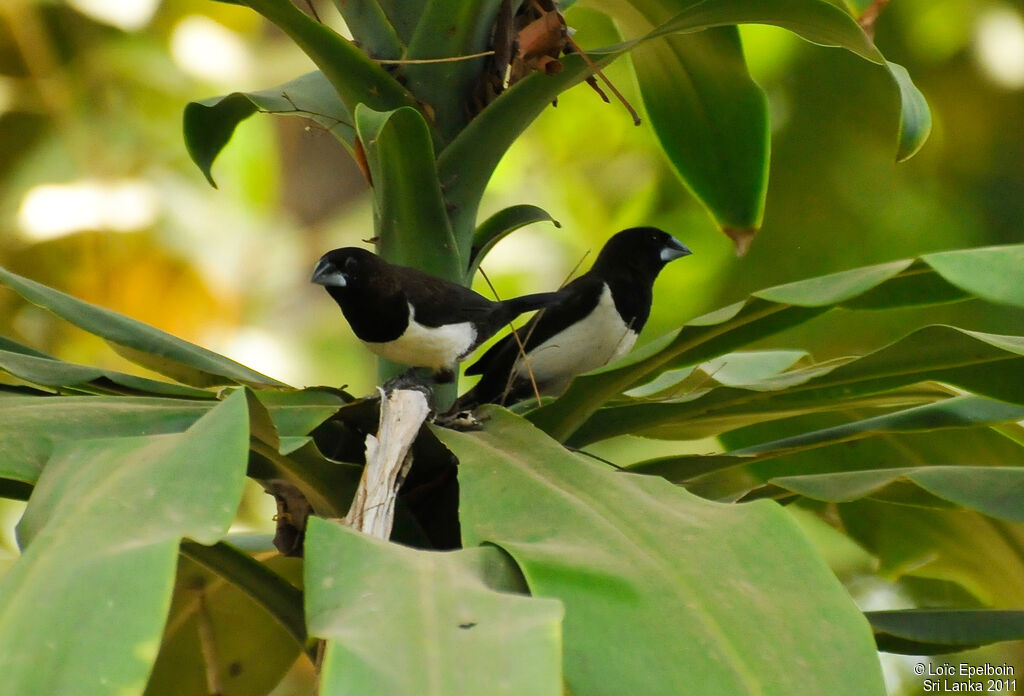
[
  {"x": 326, "y": 273},
  {"x": 674, "y": 250}
]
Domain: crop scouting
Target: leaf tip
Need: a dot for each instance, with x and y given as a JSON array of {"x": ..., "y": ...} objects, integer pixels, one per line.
[{"x": 741, "y": 238}]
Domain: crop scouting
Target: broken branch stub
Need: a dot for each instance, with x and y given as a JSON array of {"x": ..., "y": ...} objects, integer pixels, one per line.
[{"x": 388, "y": 458}]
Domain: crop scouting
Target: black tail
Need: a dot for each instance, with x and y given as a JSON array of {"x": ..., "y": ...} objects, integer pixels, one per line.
[{"x": 527, "y": 303}]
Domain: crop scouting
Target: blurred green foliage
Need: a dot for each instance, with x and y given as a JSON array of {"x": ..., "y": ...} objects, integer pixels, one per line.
[{"x": 83, "y": 100}]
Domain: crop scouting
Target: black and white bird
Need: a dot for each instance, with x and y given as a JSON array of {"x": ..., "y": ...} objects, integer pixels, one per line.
[
  {"x": 411, "y": 317},
  {"x": 596, "y": 319}
]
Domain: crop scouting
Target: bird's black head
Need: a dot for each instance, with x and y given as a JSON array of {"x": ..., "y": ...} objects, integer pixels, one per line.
[
  {"x": 644, "y": 249},
  {"x": 348, "y": 267}
]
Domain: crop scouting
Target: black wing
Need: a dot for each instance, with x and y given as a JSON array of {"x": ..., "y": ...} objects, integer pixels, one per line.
[
  {"x": 576, "y": 300},
  {"x": 438, "y": 302}
]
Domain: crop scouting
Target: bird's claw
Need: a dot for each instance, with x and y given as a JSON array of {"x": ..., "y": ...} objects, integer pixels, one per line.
[{"x": 460, "y": 420}]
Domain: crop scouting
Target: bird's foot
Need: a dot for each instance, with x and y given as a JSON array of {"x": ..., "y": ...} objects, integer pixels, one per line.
[
  {"x": 460, "y": 420},
  {"x": 410, "y": 379}
]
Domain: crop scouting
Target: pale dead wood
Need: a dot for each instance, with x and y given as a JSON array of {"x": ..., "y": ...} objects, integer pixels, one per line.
[{"x": 388, "y": 458}]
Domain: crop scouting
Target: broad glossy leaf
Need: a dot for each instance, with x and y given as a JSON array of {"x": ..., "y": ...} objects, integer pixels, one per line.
[
  {"x": 252, "y": 650},
  {"x": 747, "y": 369},
  {"x": 371, "y": 28},
  {"x": 834, "y": 288},
  {"x": 413, "y": 221},
  {"x": 937, "y": 631},
  {"x": 700, "y": 406},
  {"x": 466, "y": 164},
  {"x": 10, "y": 345},
  {"x": 140, "y": 342},
  {"x": 716, "y": 595},
  {"x": 978, "y": 446},
  {"x": 101, "y": 533},
  {"x": 500, "y": 225},
  {"x": 765, "y": 313},
  {"x": 51, "y": 372},
  {"x": 915, "y": 116},
  {"x": 816, "y": 21},
  {"x": 918, "y": 285},
  {"x": 298, "y": 412},
  {"x": 993, "y": 490},
  {"x": 274, "y": 594},
  {"x": 449, "y": 29},
  {"x": 404, "y": 621},
  {"x": 958, "y": 412},
  {"x": 821, "y": 23},
  {"x": 981, "y": 554},
  {"x": 404, "y": 15},
  {"x": 356, "y": 78},
  {"x": 36, "y": 426},
  {"x": 712, "y": 121},
  {"x": 992, "y": 273},
  {"x": 209, "y": 123},
  {"x": 725, "y": 332},
  {"x": 468, "y": 161}
]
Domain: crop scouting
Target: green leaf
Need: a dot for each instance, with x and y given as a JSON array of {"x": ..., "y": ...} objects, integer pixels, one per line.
[
  {"x": 371, "y": 29},
  {"x": 930, "y": 543},
  {"x": 101, "y": 535},
  {"x": 209, "y": 123},
  {"x": 774, "y": 309},
  {"x": 13, "y": 346},
  {"x": 937, "y": 631},
  {"x": 36, "y": 426},
  {"x": 467, "y": 162},
  {"x": 356, "y": 78},
  {"x": 695, "y": 406},
  {"x": 959, "y": 412},
  {"x": 712, "y": 121},
  {"x": 500, "y": 225},
  {"x": 413, "y": 221},
  {"x": 404, "y": 15},
  {"x": 50, "y": 372},
  {"x": 834, "y": 288},
  {"x": 985, "y": 446},
  {"x": 447, "y": 29},
  {"x": 251, "y": 651},
  {"x": 140, "y": 342},
  {"x": 915, "y": 117},
  {"x": 705, "y": 337},
  {"x": 274, "y": 594},
  {"x": 992, "y": 273},
  {"x": 403, "y": 621},
  {"x": 817, "y": 21},
  {"x": 993, "y": 490},
  {"x": 298, "y": 412},
  {"x": 635, "y": 556}
]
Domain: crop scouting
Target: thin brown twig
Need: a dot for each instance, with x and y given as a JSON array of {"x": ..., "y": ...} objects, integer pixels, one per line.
[
  {"x": 426, "y": 61},
  {"x": 605, "y": 80}
]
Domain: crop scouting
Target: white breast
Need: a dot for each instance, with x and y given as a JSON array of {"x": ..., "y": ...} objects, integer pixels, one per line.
[
  {"x": 588, "y": 344},
  {"x": 427, "y": 346}
]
